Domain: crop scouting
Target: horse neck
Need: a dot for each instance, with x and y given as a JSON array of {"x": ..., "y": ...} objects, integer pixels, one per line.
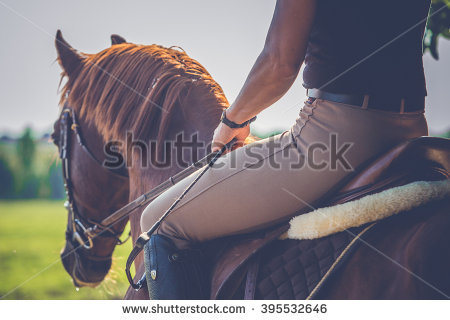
[{"x": 194, "y": 131}]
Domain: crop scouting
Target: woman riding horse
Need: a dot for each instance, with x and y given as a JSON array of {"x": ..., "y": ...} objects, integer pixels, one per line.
[{"x": 366, "y": 92}]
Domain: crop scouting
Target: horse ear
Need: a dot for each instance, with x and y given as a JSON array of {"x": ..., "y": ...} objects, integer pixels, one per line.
[
  {"x": 116, "y": 39},
  {"x": 68, "y": 57}
]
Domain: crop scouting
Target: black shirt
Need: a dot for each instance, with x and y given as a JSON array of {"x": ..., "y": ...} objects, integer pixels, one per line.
[{"x": 345, "y": 53}]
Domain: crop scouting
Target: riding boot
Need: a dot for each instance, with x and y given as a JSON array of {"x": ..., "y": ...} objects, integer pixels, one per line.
[{"x": 173, "y": 274}]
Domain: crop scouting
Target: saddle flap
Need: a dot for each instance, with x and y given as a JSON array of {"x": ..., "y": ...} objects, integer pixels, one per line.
[{"x": 237, "y": 254}]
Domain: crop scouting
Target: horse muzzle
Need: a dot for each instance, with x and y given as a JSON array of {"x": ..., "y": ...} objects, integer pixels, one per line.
[{"x": 84, "y": 271}]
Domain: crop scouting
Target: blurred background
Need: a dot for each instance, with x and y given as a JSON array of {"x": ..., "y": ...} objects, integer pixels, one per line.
[{"x": 226, "y": 37}]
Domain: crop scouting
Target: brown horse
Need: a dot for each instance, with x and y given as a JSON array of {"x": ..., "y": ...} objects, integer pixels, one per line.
[{"x": 130, "y": 94}]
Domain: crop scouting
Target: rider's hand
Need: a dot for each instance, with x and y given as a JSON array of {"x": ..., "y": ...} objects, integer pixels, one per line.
[{"x": 224, "y": 134}]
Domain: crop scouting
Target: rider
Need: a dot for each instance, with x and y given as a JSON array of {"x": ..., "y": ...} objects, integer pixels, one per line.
[{"x": 366, "y": 92}]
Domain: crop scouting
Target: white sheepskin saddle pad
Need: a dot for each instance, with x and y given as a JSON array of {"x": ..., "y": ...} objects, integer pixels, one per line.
[{"x": 325, "y": 221}]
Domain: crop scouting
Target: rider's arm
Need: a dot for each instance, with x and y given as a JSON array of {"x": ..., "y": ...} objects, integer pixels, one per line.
[{"x": 279, "y": 62}]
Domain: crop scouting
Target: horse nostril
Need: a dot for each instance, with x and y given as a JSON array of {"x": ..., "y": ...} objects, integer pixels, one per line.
[{"x": 68, "y": 260}]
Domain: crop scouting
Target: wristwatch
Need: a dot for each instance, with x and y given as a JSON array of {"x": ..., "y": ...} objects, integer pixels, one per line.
[{"x": 233, "y": 124}]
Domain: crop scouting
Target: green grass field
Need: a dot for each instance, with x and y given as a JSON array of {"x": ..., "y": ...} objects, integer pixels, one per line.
[{"x": 31, "y": 237}]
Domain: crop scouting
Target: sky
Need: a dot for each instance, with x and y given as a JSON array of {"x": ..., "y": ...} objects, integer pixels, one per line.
[{"x": 225, "y": 36}]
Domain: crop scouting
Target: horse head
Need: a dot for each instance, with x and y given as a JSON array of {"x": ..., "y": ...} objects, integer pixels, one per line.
[{"x": 93, "y": 191}]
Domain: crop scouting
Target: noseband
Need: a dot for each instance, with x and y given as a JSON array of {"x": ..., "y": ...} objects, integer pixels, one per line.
[{"x": 80, "y": 225}]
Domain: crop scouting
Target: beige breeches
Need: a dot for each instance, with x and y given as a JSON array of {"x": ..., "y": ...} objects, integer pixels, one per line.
[{"x": 272, "y": 180}]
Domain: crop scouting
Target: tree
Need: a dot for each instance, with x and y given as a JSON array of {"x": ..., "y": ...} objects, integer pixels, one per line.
[
  {"x": 438, "y": 25},
  {"x": 55, "y": 180},
  {"x": 27, "y": 180},
  {"x": 6, "y": 180},
  {"x": 25, "y": 149}
]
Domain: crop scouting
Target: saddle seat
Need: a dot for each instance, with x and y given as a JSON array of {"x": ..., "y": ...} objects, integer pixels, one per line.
[{"x": 420, "y": 159}]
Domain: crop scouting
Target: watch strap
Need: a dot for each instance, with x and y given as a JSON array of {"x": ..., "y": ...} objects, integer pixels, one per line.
[{"x": 233, "y": 124}]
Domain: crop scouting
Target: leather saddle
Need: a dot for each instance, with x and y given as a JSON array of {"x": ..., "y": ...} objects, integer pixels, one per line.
[{"x": 235, "y": 260}]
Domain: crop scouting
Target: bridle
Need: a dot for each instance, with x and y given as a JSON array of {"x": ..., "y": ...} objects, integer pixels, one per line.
[{"x": 79, "y": 224}]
